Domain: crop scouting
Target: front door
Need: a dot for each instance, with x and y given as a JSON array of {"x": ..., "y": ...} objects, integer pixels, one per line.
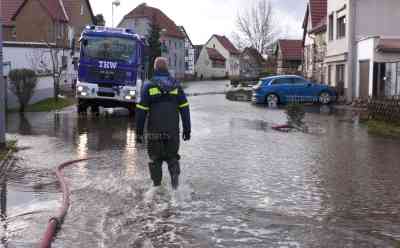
[{"x": 364, "y": 79}]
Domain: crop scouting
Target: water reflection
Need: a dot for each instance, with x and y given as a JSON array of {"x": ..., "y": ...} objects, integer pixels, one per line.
[{"x": 25, "y": 127}]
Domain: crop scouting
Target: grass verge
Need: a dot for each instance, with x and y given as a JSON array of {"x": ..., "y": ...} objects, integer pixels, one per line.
[
  {"x": 48, "y": 105},
  {"x": 10, "y": 146},
  {"x": 383, "y": 128}
]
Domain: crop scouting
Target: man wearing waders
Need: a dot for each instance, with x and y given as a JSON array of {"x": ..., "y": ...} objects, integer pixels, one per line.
[{"x": 163, "y": 99}]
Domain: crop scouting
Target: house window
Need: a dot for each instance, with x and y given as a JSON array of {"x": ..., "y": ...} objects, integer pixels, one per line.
[
  {"x": 331, "y": 27},
  {"x": 175, "y": 60},
  {"x": 330, "y": 75},
  {"x": 82, "y": 9},
  {"x": 14, "y": 32},
  {"x": 214, "y": 46},
  {"x": 341, "y": 27},
  {"x": 218, "y": 64}
]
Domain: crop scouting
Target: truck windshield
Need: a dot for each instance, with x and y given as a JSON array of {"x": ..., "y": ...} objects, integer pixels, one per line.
[{"x": 109, "y": 48}]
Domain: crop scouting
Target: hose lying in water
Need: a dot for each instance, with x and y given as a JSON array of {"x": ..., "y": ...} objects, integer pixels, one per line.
[
  {"x": 282, "y": 128},
  {"x": 55, "y": 222}
]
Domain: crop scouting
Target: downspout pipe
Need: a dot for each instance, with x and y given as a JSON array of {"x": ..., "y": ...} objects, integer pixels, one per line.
[{"x": 352, "y": 51}]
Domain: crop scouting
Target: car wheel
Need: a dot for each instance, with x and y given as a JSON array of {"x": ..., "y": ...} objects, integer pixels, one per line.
[
  {"x": 325, "y": 98},
  {"x": 272, "y": 100}
]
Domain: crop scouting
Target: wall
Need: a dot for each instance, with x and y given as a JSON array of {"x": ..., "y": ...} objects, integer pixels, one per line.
[
  {"x": 140, "y": 25},
  {"x": 176, "y": 47},
  {"x": 176, "y": 56},
  {"x": 8, "y": 33},
  {"x": 232, "y": 61},
  {"x": 365, "y": 51},
  {"x": 337, "y": 46},
  {"x": 377, "y": 18},
  {"x": 31, "y": 27},
  {"x": 19, "y": 55},
  {"x": 204, "y": 67},
  {"x": 78, "y": 20},
  {"x": 189, "y": 59}
]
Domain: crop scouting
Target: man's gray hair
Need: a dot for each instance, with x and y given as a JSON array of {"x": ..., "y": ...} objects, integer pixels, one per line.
[{"x": 161, "y": 64}]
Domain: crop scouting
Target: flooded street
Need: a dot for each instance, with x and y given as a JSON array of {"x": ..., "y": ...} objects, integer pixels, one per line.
[{"x": 243, "y": 184}]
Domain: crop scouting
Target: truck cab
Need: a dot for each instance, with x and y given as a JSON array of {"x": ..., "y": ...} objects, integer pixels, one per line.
[{"x": 110, "y": 70}]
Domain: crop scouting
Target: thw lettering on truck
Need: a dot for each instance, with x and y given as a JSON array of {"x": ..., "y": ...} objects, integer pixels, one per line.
[{"x": 108, "y": 65}]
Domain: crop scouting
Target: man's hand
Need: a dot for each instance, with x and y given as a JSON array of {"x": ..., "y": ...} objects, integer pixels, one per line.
[
  {"x": 139, "y": 138},
  {"x": 186, "y": 136}
]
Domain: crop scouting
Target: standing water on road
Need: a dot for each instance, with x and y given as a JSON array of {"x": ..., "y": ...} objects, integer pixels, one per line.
[{"x": 243, "y": 184}]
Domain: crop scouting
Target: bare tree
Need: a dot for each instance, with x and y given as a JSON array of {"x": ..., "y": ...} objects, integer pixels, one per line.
[
  {"x": 255, "y": 26},
  {"x": 57, "y": 55}
]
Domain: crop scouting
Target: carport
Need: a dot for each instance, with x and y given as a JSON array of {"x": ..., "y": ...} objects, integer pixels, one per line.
[{"x": 378, "y": 67}]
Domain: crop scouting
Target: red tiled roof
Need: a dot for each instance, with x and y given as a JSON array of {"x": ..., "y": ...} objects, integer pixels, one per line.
[
  {"x": 158, "y": 18},
  {"x": 321, "y": 26},
  {"x": 213, "y": 54},
  {"x": 291, "y": 49},
  {"x": 255, "y": 54},
  {"x": 318, "y": 10},
  {"x": 389, "y": 45},
  {"x": 8, "y": 9},
  {"x": 55, "y": 8},
  {"x": 227, "y": 44}
]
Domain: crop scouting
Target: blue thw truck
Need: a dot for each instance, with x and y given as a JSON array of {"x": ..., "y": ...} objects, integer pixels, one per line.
[{"x": 111, "y": 68}]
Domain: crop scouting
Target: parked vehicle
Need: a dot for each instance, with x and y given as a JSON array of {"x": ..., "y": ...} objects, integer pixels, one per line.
[
  {"x": 111, "y": 67},
  {"x": 288, "y": 88}
]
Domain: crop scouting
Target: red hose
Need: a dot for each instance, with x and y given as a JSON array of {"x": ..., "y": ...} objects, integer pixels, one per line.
[
  {"x": 279, "y": 127},
  {"x": 57, "y": 220}
]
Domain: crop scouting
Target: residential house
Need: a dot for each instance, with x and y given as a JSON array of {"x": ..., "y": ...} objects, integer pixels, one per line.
[
  {"x": 197, "y": 51},
  {"x": 189, "y": 55},
  {"x": 60, "y": 21},
  {"x": 314, "y": 40},
  {"x": 7, "y": 11},
  {"x": 252, "y": 64},
  {"x": 141, "y": 20},
  {"x": 362, "y": 47},
  {"x": 289, "y": 55},
  {"x": 225, "y": 48},
  {"x": 35, "y": 25},
  {"x": 211, "y": 64}
]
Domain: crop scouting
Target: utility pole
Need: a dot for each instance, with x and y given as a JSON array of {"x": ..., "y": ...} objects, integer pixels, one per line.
[
  {"x": 2, "y": 93},
  {"x": 115, "y": 3}
]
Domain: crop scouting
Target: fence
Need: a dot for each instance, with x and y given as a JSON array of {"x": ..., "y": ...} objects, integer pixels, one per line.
[{"x": 387, "y": 109}]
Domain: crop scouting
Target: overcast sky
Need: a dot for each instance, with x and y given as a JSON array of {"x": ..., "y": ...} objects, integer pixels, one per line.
[{"x": 202, "y": 18}]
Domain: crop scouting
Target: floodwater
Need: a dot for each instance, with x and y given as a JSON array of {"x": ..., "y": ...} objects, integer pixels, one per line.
[{"x": 243, "y": 184}]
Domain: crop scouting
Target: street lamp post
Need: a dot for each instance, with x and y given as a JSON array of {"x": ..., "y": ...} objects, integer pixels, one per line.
[
  {"x": 115, "y": 3},
  {"x": 2, "y": 93}
]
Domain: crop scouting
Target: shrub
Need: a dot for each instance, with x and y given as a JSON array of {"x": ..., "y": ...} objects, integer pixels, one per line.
[
  {"x": 23, "y": 83},
  {"x": 295, "y": 114}
]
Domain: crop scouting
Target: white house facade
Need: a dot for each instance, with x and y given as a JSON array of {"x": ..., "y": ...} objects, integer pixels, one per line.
[
  {"x": 353, "y": 29},
  {"x": 141, "y": 20},
  {"x": 225, "y": 47},
  {"x": 189, "y": 55},
  {"x": 211, "y": 64}
]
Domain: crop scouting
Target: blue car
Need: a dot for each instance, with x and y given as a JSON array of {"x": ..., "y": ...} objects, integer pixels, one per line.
[{"x": 285, "y": 89}]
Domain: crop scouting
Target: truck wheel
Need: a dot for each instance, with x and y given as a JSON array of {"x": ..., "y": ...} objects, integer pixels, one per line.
[
  {"x": 82, "y": 109},
  {"x": 95, "y": 110},
  {"x": 132, "y": 111}
]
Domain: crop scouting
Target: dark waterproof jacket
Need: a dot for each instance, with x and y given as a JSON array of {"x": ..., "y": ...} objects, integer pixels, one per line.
[{"x": 162, "y": 99}]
